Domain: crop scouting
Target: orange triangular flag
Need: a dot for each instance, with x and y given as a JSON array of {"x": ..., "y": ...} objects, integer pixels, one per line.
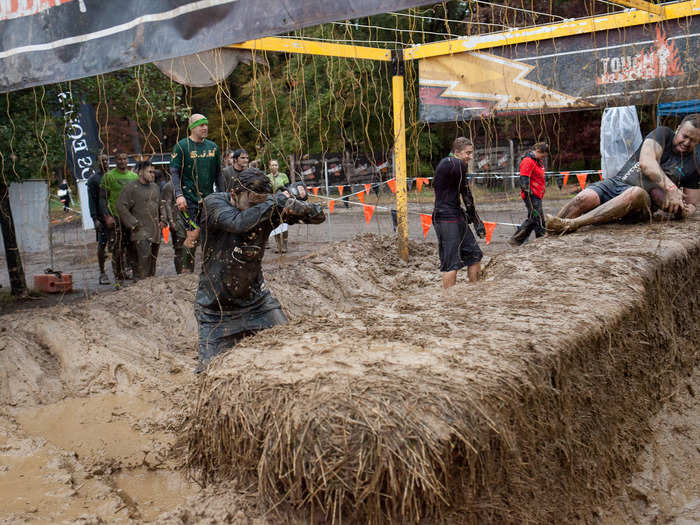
[
  {"x": 419, "y": 184},
  {"x": 315, "y": 190},
  {"x": 369, "y": 211},
  {"x": 582, "y": 179},
  {"x": 331, "y": 206},
  {"x": 489, "y": 227},
  {"x": 166, "y": 234},
  {"x": 361, "y": 196},
  {"x": 367, "y": 187},
  {"x": 566, "y": 177},
  {"x": 340, "y": 190},
  {"x": 392, "y": 185},
  {"x": 426, "y": 222}
]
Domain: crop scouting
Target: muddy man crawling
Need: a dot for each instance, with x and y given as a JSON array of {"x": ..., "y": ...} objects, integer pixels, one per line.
[{"x": 663, "y": 174}]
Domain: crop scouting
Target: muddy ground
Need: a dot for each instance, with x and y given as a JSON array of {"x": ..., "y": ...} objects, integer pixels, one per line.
[{"x": 94, "y": 392}]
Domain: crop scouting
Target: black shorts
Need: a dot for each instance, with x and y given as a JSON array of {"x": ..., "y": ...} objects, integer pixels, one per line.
[
  {"x": 608, "y": 189},
  {"x": 457, "y": 246}
]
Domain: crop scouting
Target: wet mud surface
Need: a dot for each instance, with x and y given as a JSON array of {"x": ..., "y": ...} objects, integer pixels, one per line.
[{"x": 95, "y": 391}]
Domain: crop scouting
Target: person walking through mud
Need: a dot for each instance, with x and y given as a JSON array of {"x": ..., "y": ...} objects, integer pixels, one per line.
[
  {"x": 663, "y": 174},
  {"x": 97, "y": 213},
  {"x": 457, "y": 246},
  {"x": 140, "y": 214},
  {"x": 532, "y": 185},
  {"x": 233, "y": 300},
  {"x": 195, "y": 167},
  {"x": 111, "y": 186}
]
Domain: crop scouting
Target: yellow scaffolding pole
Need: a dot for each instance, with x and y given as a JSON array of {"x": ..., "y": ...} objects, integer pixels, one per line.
[
  {"x": 642, "y": 6},
  {"x": 310, "y": 47},
  {"x": 557, "y": 30},
  {"x": 400, "y": 152}
]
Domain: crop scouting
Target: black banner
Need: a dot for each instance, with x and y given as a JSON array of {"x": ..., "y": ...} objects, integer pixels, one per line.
[
  {"x": 50, "y": 41},
  {"x": 82, "y": 140},
  {"x": 643, "y": 64}
]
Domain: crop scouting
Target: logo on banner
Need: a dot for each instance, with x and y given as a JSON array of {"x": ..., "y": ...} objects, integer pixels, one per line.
[
  {"x": 10, "y": 9},
  {"x": 659, "y": 61}
]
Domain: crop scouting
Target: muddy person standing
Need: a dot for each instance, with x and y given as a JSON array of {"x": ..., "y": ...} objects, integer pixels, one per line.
[
  {"x": 457, "y": 246},
  {"x": 111, "y": 186},
  {"x": 195, "y": 167},
  {"x": 233, "y": 299},
  {"x": 97, "y": 213},
  {"x": 139, "y": 211},
  {"x": 174, "y": 219},
  {"x": 236, "y": 162}
]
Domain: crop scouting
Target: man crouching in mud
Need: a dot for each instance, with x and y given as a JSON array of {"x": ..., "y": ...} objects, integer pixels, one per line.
[
  {"x": 233, "y": 300},
  {"x": 663, "y": 174}
]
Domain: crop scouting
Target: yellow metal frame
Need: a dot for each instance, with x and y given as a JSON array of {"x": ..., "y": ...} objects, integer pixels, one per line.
[
  {"x": 557, "y": 30},
  {"x": 400, "y": 164},
  {"x": 310, "y": 47},
  {"x": 642, "y": 6},
  {"x": 644, "y": 13}
]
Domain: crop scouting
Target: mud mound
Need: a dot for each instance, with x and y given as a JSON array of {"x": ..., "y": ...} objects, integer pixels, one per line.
[
  {"x": 116, "y": 338},
  {"x": 364, "y": 270},
  {"x": 523, "y": 398}
]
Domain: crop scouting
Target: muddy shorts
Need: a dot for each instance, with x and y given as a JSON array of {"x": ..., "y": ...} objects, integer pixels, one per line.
[
  {"x": 220, "y": 331},
  {"x": 457, "y": 246},
  {"x": 608, "y": 189},
  {"x": 102, "y": 234}
]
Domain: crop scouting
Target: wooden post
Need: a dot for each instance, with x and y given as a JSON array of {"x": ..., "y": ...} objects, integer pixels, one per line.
[{"x": 18, "y": 283}]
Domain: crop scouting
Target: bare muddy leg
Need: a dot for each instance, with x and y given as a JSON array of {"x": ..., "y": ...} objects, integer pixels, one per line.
[
  {"x": 633, "y": 200},
  {"x": 585, "y": 201}
]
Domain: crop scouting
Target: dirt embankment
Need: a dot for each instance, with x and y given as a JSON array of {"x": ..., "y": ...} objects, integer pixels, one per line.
[{"x": 93, "y": 396}]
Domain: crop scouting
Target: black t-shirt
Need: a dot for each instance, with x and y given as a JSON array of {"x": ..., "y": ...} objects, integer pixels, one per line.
[
  {"x": 683, "y": 170},
  {"x": 449, "y": 182}
]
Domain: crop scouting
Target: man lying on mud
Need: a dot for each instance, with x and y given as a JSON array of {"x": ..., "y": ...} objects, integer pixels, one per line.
[
  {"x": 663, "y": 174},
  {"x": 233, "y": 300}
]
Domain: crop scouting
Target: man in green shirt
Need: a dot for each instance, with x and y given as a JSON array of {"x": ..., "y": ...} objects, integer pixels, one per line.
[
  {"x": 111, "y": 186},
  {"x": 195, "y": 165}
]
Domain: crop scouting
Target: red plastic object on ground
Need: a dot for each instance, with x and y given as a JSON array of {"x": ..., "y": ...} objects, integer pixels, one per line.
[{"x": 51, "y": 283}]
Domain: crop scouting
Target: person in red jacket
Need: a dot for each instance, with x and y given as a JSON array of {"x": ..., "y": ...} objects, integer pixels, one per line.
[{"x": 532, "y": 192}]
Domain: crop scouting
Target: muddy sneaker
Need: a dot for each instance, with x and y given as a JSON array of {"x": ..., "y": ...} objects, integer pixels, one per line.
[
  {"x": 104, "y": 279},
  {"x": 559, "y": 225}
]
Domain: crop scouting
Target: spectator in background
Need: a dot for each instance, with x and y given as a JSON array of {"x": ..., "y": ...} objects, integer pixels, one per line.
[
  {"x": 140, "y": 214},
  {"x": 64, "y": 194},
  {"x": 172, "y": 217},
  {"x": 195, "y": 167},
  {"x": 239, "y": 162},
  {"x": 279, "y": 181},
  {"x": 111, "y": 185},
  {"x": 97, "y": 213},
  {"x": 532, "y": 185},
  {"x": 228, "y": 158}
]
